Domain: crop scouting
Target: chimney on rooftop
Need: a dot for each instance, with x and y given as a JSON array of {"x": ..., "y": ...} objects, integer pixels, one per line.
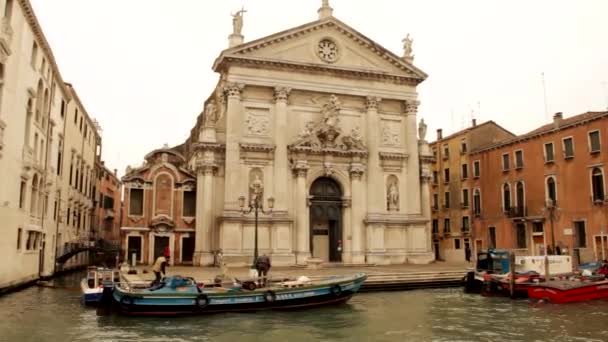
[
  {"x": 439, "y": 134},
  {"x": 557, "y": 119},
  {"x": 474, "y": 122}
]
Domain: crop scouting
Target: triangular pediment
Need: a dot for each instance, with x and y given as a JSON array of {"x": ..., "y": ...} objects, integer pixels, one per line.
[{"x": 326, "y": 43}]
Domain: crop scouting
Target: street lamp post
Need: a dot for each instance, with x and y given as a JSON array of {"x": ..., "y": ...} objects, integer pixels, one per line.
[{"x": 255, "y": 205}]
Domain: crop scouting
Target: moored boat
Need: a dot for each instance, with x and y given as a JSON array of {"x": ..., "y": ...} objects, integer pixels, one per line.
[
  {"x": 182, "y": 296},
  {"x": 567, "y": 291},
  {"x": 93, "y": 284}
]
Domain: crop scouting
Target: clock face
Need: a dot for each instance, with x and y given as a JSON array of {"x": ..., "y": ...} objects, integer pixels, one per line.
[{"x": 328, "y": 51}]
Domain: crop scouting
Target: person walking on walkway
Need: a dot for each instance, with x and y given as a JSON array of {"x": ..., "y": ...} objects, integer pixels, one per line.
[{"x": 159, "y": 267}]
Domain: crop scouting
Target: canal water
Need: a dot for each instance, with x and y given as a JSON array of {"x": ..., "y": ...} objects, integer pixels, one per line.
[{"x": 55, "y": 314}]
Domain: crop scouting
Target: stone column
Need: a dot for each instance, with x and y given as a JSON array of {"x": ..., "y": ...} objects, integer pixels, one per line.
[
  {"x": 233, "y": 137},
  {"x": 426, "y": 160},
  {"x": 412, "y": 168},
  {"x": 204, "y": 213},
  {"x": 302, "y": 224},
  {"x": 280, "y": 153},
  {"x": 375, "y": 179},
  {"x": 357, "y": 213}
]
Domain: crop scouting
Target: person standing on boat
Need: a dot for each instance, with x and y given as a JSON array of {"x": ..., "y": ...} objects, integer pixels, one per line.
[
  {"x": 159, "y": 267},
  {"x": 262, "y": 265}
]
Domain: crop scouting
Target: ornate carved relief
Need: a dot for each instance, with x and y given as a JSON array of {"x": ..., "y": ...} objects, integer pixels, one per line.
[
  {"x": 323, "y": 136},
  {"x": 281, "y": 93},
  {"x": 372, "y": 102},
  {"x": 258, "y": 123},
  {"x": 392, "y": 193},
  {"x": 300, "y": 168},
  {"x": 390, "y": 133},
  {"x": 392, "y": 162},
  {"x": 411, "y": 107},
  {"x": 210, "y": 114},
  {"x": 356, "y": 171},
  {"x": 233, "y": 90},
  {"x": 327, "y": 50}
]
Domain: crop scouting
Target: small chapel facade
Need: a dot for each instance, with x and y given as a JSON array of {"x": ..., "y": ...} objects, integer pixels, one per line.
[{"x": 318, "y": 124}]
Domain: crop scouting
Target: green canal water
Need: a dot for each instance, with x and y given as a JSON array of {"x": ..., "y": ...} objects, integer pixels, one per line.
[{"x": 53, "y": 314}]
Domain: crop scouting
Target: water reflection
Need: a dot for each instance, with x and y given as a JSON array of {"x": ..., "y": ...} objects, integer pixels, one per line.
[{"x": 55, "y": 314}]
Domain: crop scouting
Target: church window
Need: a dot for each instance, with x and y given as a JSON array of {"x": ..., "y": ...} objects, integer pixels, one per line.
[
  {"x": 136, "y": 203},
  {"x": 328, "y": 51}
]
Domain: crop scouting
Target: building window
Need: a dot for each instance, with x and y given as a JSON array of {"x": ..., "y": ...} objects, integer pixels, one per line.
[
  {"x": 136, "y": 202},
  {"x": 435, "y": 201},
  {"x": 108, "y": 202},
  {"x": 22, "y": 194},
  {"x": 465, "y": 198},
  {"x": 549, "y": 156},
  {"x": 446, "y": 152},
  {"x": 463, "y": 146},
  {"x": 435, "y": 226},
  {"x": 491, "y": 237},
  {"x": 597, "y": 184},
  {"x": 62, "y": 109},
  {"x": 476, "y": 169},
  {"x": 446, "y": 175},
  {"x": 59, "y": 156},
  {"x": 465, "y": 224},
  {"x": 465, "y": 171},
  {"x": 457, "y": 243},
  {"x": 505, "y": 162},
  {"x": 568, "y": 148},
  {"x": 521, "y": 235},
  {"x": 594, "y": 141},
  {"x": 506, "y": 197},
  {"x": 581, "y": 234},
  {"x": 519, "y": 159},
  {"x": 34, "y": 56},
  {"x": 189, "y": 204},
  {"x": 435, "y": 177},
  {"x": 551, "y": 190},
  {"x": 435, "y": 152},
  {"x": 446, "y": 200},
  {"x": 520, "y": 197},
  {"x": 19, "y": 233},
  {"x": 55, "y": 211},
  {"x": 537, "y": 227},
  {"x": 477, "y": 202},
  {"x": 446, "y": 225}
]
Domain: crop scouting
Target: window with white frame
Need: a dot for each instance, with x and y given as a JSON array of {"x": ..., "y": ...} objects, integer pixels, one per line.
[
  {"x": 594, "y": 142},
  {"x": 505, "y": 161},
  {"x": 465, "y": 171},
  {"x": 597, "y": 184},
  {"x": 519, "y": 159},
  {"x": 463, "y": 146},
  {"x": 477, "y": 202},
  {"x": 465, "y": 198},
  {"x": 476, "y": 169},
  {"x": 568, "y": 147},
  {"x": 549, "y": 155},
  {"x": 446, "y": 151}
]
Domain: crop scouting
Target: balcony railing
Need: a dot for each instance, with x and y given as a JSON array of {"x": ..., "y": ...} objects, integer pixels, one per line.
[
  {"x": 466, "y": 231},
  {"x": 518, "y": 211}
]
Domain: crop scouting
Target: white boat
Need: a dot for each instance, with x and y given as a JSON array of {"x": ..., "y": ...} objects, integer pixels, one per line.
[{"x": 97, "y": 278}]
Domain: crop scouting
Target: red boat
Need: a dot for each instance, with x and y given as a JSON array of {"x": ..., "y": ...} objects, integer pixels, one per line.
[{"x": 567, "y": 291}]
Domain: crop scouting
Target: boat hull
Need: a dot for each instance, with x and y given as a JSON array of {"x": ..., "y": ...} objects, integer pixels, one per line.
[
  {"x": 579, "y": 293},
  {"x": 242, "y": 301}
]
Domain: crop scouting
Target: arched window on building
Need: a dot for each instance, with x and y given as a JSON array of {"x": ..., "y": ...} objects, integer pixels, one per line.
[
  {"x": 551, "y": 190},
  {"x": 597, "y": 184},
  {"x": 506, "y": 197},
  {"x": 520, "y": 197}
]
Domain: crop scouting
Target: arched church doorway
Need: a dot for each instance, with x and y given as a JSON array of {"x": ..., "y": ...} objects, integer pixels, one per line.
[{"x": 326, "y": 220}]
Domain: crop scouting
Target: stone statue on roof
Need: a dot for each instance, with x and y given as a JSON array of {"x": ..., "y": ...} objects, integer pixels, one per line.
[
  {"x": 407, "y": 47},
  {"x": 237, "y": 21}
]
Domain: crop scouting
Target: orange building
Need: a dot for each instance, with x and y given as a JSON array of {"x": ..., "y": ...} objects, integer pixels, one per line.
[
  {"x": 159, "y": 208},
  {"x": 546, "y": 188},
  {"x": 109, "y": 204},
  {"x": 451, "y": 190}
]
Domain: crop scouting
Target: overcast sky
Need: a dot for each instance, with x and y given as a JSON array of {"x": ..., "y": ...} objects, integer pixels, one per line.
[{"x": 143, "y": 67}]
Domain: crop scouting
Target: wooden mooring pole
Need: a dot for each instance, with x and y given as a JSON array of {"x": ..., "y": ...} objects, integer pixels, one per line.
[{"x": 512, "y": 272}]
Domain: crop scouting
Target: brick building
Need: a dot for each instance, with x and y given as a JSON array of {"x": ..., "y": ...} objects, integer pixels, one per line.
[
  {"x": 452, "y": 193},
  {"x": 546, "y": 188},
  {"x": 109, "y": 204}
]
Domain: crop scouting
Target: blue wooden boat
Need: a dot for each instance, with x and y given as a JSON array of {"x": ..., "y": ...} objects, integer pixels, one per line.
[{"x": 182, "y": 296}]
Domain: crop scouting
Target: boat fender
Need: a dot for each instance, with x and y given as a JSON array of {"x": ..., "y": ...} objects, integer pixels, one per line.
[
  {"x": 202, "y": 301},
  {"x": 270, "y": 296},
  {"x": 336, "y": 290},
  {"x": 127, "y": 300}
]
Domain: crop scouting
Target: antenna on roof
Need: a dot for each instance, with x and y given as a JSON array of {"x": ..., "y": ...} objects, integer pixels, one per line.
[{"x": 545, "y": 97}]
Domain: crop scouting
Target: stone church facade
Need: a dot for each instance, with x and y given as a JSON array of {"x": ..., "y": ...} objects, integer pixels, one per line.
[{"x": 320, "y": 122}]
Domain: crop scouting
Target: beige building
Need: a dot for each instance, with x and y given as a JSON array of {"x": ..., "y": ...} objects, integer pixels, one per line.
[
  {"x": 321, "y": 122},
  {"x": 34, "y": 108}
]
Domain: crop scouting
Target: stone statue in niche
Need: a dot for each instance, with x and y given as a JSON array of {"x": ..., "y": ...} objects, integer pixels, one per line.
[
  {"x": 210, "y": 114},
  {"x": 422, "y": 130},
  {"x": 392, "y": 198},
  {"x": 256, "y": 188}
]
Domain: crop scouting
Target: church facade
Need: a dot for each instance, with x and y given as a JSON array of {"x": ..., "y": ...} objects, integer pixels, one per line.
[{"x": 316, "y": 126}]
